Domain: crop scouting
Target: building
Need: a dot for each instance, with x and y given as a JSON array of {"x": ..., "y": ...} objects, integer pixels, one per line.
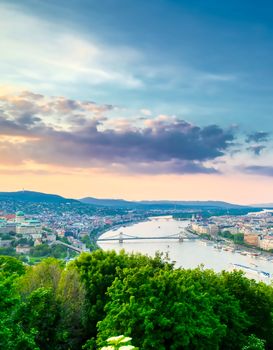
[
  {"x": 252, "y": 239},
  {"x": 200, "y": 228},
  {"x": 20, "y": 217},
  {"x": 266, "y": 242},
  {"x": 23, "y": 249},
  {"x": 213, "y": 229}
]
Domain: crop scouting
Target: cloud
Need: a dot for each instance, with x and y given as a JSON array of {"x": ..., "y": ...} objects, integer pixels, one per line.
[
  {"x": 258, "y": 136},
  {"x": 256, "y": 149},
  {"x": 266, "y": 170},
  {"x": 75, "y": 133},
  {"x": 146, "y": 112},
  {"x": 53, "y": 56},
  {"x": 49, "y": 54}
]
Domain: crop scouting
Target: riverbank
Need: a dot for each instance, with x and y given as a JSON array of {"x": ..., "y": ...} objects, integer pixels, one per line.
[
  {"x": 188, "y": 254},
  {"x": 239, "y": 248}
]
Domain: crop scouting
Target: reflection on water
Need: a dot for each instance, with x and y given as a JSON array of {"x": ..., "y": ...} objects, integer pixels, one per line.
[{"x": 187, "y": 254}]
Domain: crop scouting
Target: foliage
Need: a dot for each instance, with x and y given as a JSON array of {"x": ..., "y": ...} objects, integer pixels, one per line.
[
  {"x": 23, "y": 241},
  {"x": 119, "y": 343},
  {"x": 90, "y": 243},
  {"x": 173, "y": 309},
  {"x": 98, "y": 271},
  {"x": 10, "y": 251},
  {"x": 50, "y": 306},
  {"x": 55, "y": 251},
  {"x": 12, "y": 335},
  {"x": 10, "y": 265},
  {"x": 254, "y": 343},
  {"x": 40, "y": 311},
  {"x": 256, "y": 300},
  {"x": 237, "y": 238}
]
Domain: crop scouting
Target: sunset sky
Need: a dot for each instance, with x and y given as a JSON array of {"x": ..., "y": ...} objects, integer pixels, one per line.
[{"x": 157, "y": 99}]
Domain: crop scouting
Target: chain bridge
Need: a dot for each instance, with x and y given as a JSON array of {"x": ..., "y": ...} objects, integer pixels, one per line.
[{"x": 121, "y": 237}]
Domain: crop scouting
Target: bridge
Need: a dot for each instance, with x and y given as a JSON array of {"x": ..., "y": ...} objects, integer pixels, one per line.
[
  {"x": 69, "y": 246},
  {"x": 121, "y": 237}
]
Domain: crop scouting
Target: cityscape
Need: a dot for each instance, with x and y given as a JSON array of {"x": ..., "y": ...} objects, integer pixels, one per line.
[
  {"x": 72, "y": 227},
  {"x": 136, "y": 175}
]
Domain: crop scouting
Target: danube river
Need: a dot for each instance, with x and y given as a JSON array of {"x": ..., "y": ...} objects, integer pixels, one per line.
[{"x": 187, "y": 254}]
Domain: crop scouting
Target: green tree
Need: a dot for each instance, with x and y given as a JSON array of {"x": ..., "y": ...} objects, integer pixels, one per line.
[
  {"x": 163, "y": 310},
  {"x": 98, "y": 270},
  {"x": 256, "y": 300},
  {"x": 12, "y": 335},
  {"x": 46, "y": 274},
  {"x": 40, "y": 312},
  {"x": 71, "y": 299},
  {"x": 254, "y": 343},
  {"x": 10, "y": 265}
]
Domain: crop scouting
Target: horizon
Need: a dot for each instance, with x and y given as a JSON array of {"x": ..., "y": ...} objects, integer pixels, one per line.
[
  {"x": 136, "y": 100},
  {"x": 136, "y": 200}
]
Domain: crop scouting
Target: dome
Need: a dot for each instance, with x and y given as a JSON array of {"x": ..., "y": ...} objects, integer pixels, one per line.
[{"x": 20, "y": 213}]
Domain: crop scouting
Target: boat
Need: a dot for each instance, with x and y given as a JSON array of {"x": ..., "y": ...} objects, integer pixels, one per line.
[
  {"x": 254, "y": 255},
  {"x": 243, "y": 253}
]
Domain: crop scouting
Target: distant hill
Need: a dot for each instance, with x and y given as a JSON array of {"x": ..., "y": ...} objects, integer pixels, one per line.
[
  {"x": 108, "y": 202},
  {"x": 210, "y": 204},
  {"x": 39, "y": 197},
  {"x": 36, "y": 197},
  {"x": 158, "y": 204},
  {"x": 263, "y": 205}
]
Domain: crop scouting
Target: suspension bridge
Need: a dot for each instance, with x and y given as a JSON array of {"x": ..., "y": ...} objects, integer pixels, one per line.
[{"x": 121, "y": 237}]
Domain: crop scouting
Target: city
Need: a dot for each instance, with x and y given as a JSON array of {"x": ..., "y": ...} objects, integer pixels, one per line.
[
  {"x": 65, "y": 229},
  {"x": 136, "y": 175}
]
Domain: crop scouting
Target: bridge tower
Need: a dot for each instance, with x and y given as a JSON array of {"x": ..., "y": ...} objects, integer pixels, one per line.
[
  {"x": 120, "y": 237},
  {"x": 180, "y": 237}
]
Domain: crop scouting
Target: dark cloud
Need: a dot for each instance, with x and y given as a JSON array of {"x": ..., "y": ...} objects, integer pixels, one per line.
[
  {"x": 256, "y": 149},
  {"x": 259, "y": 170},
  {"x": 27, "y": 119},
  {"x": 259, "y": 136},
  {"x": 168, "y": 167},
  {"x": 72, "y": 133},
  {"x": 172, "y": 142}
]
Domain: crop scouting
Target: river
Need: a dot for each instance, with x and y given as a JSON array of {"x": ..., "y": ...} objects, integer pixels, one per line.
[{"x": 186, "y": 254}]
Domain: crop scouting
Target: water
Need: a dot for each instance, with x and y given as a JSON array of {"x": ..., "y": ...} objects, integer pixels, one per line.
[{"x": 187, "y": 254}]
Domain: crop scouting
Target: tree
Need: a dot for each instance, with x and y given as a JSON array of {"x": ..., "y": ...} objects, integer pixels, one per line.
[
  {"x": 10, "y": 265},
  {"x": 98, "y": 270},
  {"x": 256, "y": 301},
  {"x": 40, "y": 312},
  {"x": 45, "y": 274},
  {"x": 254, "y": 343},
  {"x": 162, "y": 310},
  {"x": 12, "y": 335},
  {"x": 70, "y": 296}
]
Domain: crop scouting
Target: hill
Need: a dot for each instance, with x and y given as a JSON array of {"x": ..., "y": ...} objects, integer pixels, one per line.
[
  {"x": 158, "y": 204},
  {"x": 263, "y": 205},
  {"x": 108, "y": 202},
  {"x": 36, "y": 197}
]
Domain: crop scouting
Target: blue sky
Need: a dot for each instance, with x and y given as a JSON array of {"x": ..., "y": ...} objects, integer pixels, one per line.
[
  {"x": 207, "y": 56},
  {"x": 154, "y": 62}
]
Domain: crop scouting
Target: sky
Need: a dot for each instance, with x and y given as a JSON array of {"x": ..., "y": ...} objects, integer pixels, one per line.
[{"x": 158, "y": 99}]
